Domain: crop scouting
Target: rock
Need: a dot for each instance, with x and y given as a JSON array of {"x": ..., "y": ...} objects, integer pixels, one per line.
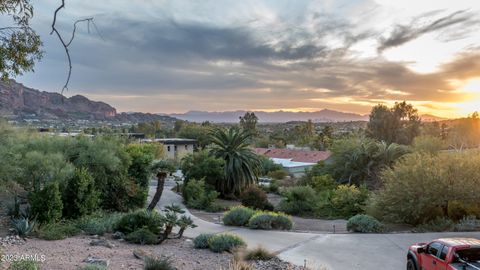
[
  {"x": 102, "y": 242},
  {"x": 275, "y": 263},
  {"x": 140, "y": 254},
  {"x": 97, "y": 261},
  {"x": 118, "y": 235}
]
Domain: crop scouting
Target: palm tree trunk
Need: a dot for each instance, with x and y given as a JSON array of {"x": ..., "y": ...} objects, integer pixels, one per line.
[{"x": 158, "y": 193}]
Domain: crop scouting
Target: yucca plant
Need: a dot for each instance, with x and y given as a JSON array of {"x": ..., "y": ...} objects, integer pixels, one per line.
[
  {"x": 23, "y": 226},
  {"x": 175, "y": 208},
  {"x": 184, "y": 222}
]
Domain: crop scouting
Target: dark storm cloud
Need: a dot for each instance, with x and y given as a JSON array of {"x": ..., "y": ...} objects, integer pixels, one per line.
[{"x": 402, "y": 34}]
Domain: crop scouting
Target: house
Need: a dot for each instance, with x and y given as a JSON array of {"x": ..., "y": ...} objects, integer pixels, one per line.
[
  {"x": 175, "y": 148},
  {"x": 295, "y": 161}
]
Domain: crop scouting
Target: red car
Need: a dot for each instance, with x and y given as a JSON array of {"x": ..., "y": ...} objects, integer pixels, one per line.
[{"x": 445, "y": 254}]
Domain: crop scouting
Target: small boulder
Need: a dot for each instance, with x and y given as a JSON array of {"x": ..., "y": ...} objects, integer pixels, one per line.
[{"x": 97, "y": 261}]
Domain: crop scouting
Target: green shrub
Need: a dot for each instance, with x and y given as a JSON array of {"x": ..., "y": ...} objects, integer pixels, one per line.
[
  {"x": 278, "y": 174},
  {"x": 238, "y": 216},
  {"x": 259, "y": 254},
  {"x": 468, "y": 224},
  {"x": 46, "y": 204},
  {"x": 225, "y": 242},
  {"x": 322, "y": 183},
  {"x": 57, "y": 231},
  {"x": 22, "y": 226},
  {"x": 439, "y": 224},
  {"x": 99, "y": 224},
  {"x": 348, "y": 200},
  {"x": 24, "y": 265},
  {"x": 270, "y": 220},
  {"x": 80, "y": 196},
  {"x": 201, "y": 241},
  {"x": 255, "y": 198},
  {"x": 299, "y": 200},
  {"x": 273, "y": 187},
  {"x": 364, "y": 224},
  {"x": 142, "y": 236},
  {"x": 131, "y": 222},
  {"x": 197, "y": 196},
  {"x": 422, "y": 187},
  {"x": 158, "y": 264}
]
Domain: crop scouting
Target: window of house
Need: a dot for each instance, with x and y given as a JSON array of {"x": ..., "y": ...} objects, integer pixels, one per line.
[
  {"x": 175, "y": 148},
  {"x": 168, "y": 148},
  {"x": 186, "y": 147}
]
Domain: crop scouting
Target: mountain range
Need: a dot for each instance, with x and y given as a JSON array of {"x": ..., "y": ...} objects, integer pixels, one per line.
[{"x": 19, "y": 102}]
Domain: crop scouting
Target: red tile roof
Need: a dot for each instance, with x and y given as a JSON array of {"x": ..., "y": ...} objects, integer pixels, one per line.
[{"x": 294, "y": 155}]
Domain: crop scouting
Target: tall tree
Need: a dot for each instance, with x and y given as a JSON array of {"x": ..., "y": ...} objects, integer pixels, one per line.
[
  {"x": 162, "y": 169},
  {"x": 249, "y": 122},
  {"x": 20, "y": 46},
  {"x": 242, "y": 165},
  {"x": 399, "y": 124}
]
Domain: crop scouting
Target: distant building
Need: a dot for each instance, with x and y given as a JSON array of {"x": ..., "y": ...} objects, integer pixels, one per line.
[
  {"x": 293, "y": 160},
  {"x": 176, "y": 148}
]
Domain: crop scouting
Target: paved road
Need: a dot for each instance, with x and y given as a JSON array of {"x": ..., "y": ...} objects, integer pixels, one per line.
[{"x": 321, "y": 251}]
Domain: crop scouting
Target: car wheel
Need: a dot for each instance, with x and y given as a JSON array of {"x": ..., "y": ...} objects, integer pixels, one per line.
[{"x": 411, "y": 265}]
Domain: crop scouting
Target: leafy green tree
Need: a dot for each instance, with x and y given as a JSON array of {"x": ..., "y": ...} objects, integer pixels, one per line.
[
  {"x": 242, "y": 165},
  {"x": 399, "y": 124},
  {"x": 20, "y": 46},
  {"x": 201, "y": 133},
  {"x": 201, "y": 165},
  {"x": 80, "y": 196},
  {"x": 464, "y": 133}
]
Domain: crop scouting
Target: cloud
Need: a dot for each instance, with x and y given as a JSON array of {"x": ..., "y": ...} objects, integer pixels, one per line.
[{"x": 403, "y": 33}]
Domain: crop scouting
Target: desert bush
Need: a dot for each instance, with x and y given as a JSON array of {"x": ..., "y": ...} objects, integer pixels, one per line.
[
  {"x": 163, "y": 263},
  {"x": 57, "y": 231},
  {"x": 151, "y": 220},
  {"x": 201, "y": 241},
  {"x": 298, "y": 200},
  {"x": 14, "y": 208},
  {"x": 46, "y": 204},
  {"x": 225, "y": 242},
  {"x": 428, "y": 144},
  {"x": 348, "y": 200},
  {"x": 270, "y": 220},
  {"x": 439, "y": 224},
  {"x": 322, "y": 183},
  {"x": 468, "y": 224},
  {"x": 24, "y": 265},
  {"x": 422, "y": 187},
  {"x": 196, "y": 195},
  {"x": 142, "y": 236},
  {"x": 23, "y": 226},
  {"x": 278, "y": 174},
  {"x": 259, "y": 254},
  {"x": 99, "y": 224},
  {"x": 255, "y": 198},
  {"x": 238, "y": 216},
  {"x": 201, "y": 165},
  {"x": 364, "y": 224},
  {"x": 80, "y": 196}
]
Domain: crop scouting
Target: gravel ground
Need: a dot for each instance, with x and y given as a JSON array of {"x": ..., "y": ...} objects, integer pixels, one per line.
[{"x": 70, "y": 253}]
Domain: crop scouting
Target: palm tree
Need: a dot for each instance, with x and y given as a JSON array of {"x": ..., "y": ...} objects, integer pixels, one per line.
[
  {"x": 242, "y": 165},
  {"x": 162, "y": 168}
]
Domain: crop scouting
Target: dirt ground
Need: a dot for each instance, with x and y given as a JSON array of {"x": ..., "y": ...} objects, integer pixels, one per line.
[{"x": 69, "y": 254}]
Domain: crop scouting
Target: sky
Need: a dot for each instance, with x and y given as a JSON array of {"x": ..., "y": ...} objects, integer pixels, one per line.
[{"x": 174, "y": 56}]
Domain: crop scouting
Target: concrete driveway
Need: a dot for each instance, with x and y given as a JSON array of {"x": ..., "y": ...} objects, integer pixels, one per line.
[{"x": 320, "y": 251}]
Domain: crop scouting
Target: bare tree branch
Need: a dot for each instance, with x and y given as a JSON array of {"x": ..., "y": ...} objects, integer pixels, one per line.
[{"x": 67, "y": 44}]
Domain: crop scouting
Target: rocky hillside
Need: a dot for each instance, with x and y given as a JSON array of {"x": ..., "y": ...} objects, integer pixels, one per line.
[{"x": 17, "y": 101}]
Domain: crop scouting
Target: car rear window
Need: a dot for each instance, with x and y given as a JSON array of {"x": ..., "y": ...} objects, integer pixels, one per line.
[{"x": 470, "y": 254}]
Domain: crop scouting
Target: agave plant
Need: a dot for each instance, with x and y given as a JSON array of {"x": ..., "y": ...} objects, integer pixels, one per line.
[
  {"x": 184, "y": 222},
  {"x": 23, "y": 226}
]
